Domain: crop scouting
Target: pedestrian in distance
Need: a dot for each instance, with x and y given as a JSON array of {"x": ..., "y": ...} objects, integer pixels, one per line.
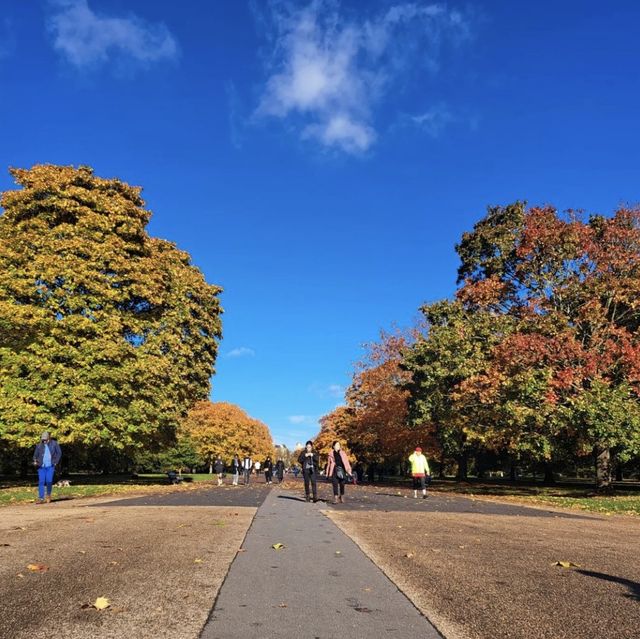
[
  {"x": 268, "y": 470},
  {"x": 257, "y": 468},
  {"x": 236, "y": 465},
  {"x": 419, "y": 471},
  {"x": 247, "y": 465},
  {"x": 338, "y": 470},
  {"x": 280, "y": 470},
  {"x": 46, "y": 457},
  {"x": 310, "y": 462},
  {"x": 218, "y": 466}
]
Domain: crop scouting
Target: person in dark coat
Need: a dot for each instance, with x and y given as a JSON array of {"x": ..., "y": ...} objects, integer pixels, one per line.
[
  {"x": 310, "y": 462},
  {"x": 218, "y": 466},
  {"x": 268, "y": 470},
  {"x": 338, "y": 469},
  {"x": 46, "y": 457},
  {"x": 280, "y": 470},
  {"x": 236, "y": 465}
]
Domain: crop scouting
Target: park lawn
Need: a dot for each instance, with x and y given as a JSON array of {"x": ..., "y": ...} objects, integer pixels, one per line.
[
  {"x": 574, "y": 497},
  {"x": 21, "y": 491}
]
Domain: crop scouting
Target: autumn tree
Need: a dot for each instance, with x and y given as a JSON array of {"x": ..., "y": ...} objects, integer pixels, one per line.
[
  {"x": 221, "y": 428},
  {"x": 572, "y": 284},
  {"x": 449, "y": 357},
  {"x": 107, "y": 335},
  {"x": 374, "y": 422}
]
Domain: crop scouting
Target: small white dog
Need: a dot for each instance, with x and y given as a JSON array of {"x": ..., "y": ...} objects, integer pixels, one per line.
[{"x": 63, "y": 483}]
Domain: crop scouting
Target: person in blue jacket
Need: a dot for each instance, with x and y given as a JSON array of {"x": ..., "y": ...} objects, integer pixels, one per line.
[{"x": 46, "y": 457}]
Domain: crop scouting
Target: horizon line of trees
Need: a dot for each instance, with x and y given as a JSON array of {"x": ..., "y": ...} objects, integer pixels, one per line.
[{"x": 533, "y": 364}]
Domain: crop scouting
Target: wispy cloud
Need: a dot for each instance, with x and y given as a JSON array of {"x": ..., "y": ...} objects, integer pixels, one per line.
[
  {"x": 241, "y": 351},
  {"x": 327, "y": 390},
  {"x": 298, "y": 420},
  {"x": 434, "y": 120},
  {"x": 327, "y": 73},
  {"x": 86, "y": 38}
]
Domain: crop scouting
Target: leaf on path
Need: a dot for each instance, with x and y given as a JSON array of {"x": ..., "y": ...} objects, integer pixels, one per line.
[
  {"x": 82, "y": 552},
  {"x": 20, "y": 575},
  {"x": 409, "y": 555},
  {"x": 5, "y": 545},
  {"x": 37, "y": 567},
  {"x": 101, "y": 603},
  {"x": 197, "y": 561},
  {"x": 565, "y": 564},
  {"x": 242, "y": 550},
  {"x": 338, "y": 552},
  {"x": 278, "y": 546},
  {"x": 114, "y": 563},
  {"x": 282, "y": 605}
]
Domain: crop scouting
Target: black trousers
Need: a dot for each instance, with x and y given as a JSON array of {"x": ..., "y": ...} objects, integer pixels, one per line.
[
  {"x": 268, "y": 475},
  {"x": 310, "y": 478},
  {"x": 338, "y": 485},
  {"x": 419, "y": 482}
]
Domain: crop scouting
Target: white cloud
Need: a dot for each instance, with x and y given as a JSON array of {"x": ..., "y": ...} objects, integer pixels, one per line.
[
  {"x": 241, "y": 351},
  {"x": 302, "y": 419},
  {"x": 327, "y": 390},
  {"x": 329, "y": 73},
  {"x": 434, "y": 120},
  {"x": 86, "y": 38}
]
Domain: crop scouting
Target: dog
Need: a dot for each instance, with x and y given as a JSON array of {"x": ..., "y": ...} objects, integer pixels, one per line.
[{"x": 63, "y": 483}]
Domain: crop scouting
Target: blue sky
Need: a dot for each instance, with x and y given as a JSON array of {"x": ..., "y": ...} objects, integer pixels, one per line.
[{"x": 320, "y": 160}]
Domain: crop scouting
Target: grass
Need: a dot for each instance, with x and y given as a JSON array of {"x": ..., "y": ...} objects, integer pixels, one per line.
[{"x": 25, "y": 491}]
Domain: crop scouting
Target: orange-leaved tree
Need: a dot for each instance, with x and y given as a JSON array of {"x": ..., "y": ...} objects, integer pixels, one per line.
[{"x": 221, "y": 428}]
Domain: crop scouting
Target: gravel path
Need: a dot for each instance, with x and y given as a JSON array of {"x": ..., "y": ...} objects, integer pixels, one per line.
[
  {"x": 161, "y": 568},
  {"x": 477, "y": 576}
]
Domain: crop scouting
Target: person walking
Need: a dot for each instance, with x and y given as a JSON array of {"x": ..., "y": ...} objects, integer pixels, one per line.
[
  {"x": 419, "y": 471},
  {"x": 46, "y": 457},
  {"x": 310, "y": 462},
  {"x": 236, "y": 465},
  {"x": 338, "y": 469},
  {"x": 256, "y": 467},
  {"x": 218, "y": 466},
  {"x": 247, "y": 465},
  {"x": 268, "y": 470},
  {"x": 280, "y": 470}
]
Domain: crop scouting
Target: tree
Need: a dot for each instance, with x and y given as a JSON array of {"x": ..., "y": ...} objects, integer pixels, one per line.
[
  {"x": 107, "y": 335},
  {"x": 571, "y": 284},
  {"x": 224, "y": 429}
]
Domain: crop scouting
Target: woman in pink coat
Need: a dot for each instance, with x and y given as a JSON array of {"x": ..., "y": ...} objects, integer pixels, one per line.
[{"x": 338, "y": 467}]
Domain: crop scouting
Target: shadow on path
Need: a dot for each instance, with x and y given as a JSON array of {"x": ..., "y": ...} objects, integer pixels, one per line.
[{"x": 633, "y": 586}]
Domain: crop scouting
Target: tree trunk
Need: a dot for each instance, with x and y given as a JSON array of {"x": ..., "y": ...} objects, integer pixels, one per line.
[
  {"x": 210, "y": 469},
  {"x": 603, "y": 468},
  {"x": 463, "y": 467},
  {"x": 619, "y": 472},
  {"x": 513, "y": 472},
  {"x": 442, "y": 462},
  {"x": 549, "y": 478}
]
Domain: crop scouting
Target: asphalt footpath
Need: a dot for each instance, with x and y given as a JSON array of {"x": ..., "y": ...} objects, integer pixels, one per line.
[{"x": 317, "y": 585}]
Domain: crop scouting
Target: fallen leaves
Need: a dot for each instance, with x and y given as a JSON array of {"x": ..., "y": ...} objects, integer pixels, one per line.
[
  {"x": 101, "y": 603},
  {"x": 37, "y": 567},
  {"x": 278, "y": 546},
  {"x": 409, "y": 555},
  {"x": 197, "y": 561},
  {"x": 565, "y": 564}
]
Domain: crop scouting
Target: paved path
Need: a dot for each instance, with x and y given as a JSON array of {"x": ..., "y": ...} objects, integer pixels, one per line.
[
  {"x": 320, "y": 586},
  {"x": 252, "y": 495}
]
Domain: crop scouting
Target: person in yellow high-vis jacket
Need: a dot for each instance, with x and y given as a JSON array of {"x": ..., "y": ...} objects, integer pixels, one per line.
[{"x": 419, "y": 472}]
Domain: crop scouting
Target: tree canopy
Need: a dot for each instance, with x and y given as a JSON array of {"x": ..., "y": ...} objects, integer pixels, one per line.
[
  {"x": 107, "y": 335},
  {"x": 221, "y": 428}
]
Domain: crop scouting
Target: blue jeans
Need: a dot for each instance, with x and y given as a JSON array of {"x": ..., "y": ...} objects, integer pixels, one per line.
[{"x": 45, "y": 476}]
